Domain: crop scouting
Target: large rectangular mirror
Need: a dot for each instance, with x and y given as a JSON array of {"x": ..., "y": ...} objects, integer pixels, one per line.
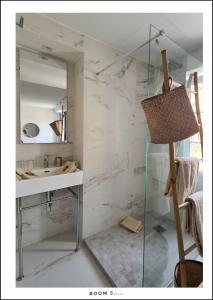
[{"x": 43, "y": 98}]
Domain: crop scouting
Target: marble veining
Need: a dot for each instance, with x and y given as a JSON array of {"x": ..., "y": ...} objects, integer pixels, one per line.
[
  {"x": 98, "y": 99},
  {"x": 121, "y": 73},
  {"x": 133, "y": 201},
  {"x": 99, "y": 179},
  {"x": 120, "y": 253},
  {"x": 113, "y": 125},
  {"x": 139, "y": 170},
  {"x": 115, "y": 155},
  {"x": 96, "y": 80},
  {"x": 41, "y": 222},
  {"x": 79, "y": 42}
]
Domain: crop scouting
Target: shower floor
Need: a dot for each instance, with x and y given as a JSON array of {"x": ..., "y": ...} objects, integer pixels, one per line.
[{"x": 120, "y": 253}]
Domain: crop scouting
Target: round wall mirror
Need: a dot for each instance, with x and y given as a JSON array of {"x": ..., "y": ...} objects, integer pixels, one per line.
[{"x": 30, "y": 130}]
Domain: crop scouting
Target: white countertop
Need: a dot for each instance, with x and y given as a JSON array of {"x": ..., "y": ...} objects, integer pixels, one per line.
[{"x": 42, "y": 184}]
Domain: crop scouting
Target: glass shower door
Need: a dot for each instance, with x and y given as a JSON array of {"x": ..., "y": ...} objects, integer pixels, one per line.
[{"x": 160, "y": 252}]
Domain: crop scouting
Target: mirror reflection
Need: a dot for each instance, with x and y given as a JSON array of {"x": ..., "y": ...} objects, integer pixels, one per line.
[
  {"x": 43, "y": 98},
  {"x": 30, "y": 130}
]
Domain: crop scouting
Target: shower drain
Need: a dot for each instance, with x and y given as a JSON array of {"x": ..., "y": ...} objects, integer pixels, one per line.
[{"x": 159, "y": 228}]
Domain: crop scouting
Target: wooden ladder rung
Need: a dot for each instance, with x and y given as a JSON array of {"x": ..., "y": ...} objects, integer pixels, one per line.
[
  {"x": 174, "y": 164},
  {"x": 188, "y": 250},
  {"x": 183, "y": 205}
]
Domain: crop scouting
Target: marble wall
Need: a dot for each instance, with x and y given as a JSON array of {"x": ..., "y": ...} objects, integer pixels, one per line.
[
  {"x": 111, "y": 142},
  {"x": 42, "y": 222},
  {"x": 114, "y": 138}
]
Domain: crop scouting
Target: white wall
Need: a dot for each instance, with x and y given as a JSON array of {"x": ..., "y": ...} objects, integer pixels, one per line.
[
  {"x": 110, "y": 139},
  {"x": 114, "y": 139},
  {"x": 40, "y": 222}
]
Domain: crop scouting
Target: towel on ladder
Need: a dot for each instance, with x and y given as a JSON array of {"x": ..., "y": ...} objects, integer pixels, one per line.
[
  {"x": 186, "y": 178},
  {"x": 194, "y": 219}
]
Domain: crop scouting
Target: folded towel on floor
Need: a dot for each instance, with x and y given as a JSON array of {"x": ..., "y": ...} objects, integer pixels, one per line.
[
  {"x": 186, "y": 178},
  {"x": 194, "y": 219},
  {"x": 21, "y": 174},
  {"x": 131, "y": 223}
]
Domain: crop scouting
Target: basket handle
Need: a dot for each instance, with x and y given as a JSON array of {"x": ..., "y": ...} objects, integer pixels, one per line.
[{"x": 170, "y": 84}]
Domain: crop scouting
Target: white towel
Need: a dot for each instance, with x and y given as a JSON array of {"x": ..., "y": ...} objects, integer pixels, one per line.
[
  {"x": 194, "y": 219},
  {"x": 21, "y": 174},
  {"x": 159, "y": 166},
  {"x": 69, "y": 167},
  {"x": 186, "y": 178}
]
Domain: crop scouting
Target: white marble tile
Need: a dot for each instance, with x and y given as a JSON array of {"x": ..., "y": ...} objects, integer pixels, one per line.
[
  {"x": 114, "y": 147},
  {"x": 41, "y": 222},
  {"x": 51, "y": 263},
  {"x": 111, "y": 143}
]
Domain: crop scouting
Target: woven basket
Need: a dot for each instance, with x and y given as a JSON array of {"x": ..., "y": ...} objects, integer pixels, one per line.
[
  {"x": 170, "y": 116},
  {"x": 194, "y": 273}
]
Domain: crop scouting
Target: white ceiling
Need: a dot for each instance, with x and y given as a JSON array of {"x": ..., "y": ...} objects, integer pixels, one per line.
[{"x": 126, "y": 31}]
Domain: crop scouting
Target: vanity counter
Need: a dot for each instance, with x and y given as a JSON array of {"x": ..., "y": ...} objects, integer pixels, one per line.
[{"x": 47, "y": 183}]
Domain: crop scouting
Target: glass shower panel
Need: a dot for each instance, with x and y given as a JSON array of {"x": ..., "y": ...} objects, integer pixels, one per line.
[{"x": 160, "y": 252}]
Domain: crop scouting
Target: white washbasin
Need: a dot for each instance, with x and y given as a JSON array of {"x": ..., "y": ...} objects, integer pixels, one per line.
[
  {"x": 46, "y": 172},
  {"x": 47, "y": 181}
]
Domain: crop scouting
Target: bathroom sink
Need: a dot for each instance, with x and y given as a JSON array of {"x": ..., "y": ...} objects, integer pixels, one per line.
[
  {"x": 46, "y": 171},
  {"x": 46, "y": 180}
]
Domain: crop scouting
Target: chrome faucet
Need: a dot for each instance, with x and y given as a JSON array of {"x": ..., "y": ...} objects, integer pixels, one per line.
[{"x": 46, "y": 161}]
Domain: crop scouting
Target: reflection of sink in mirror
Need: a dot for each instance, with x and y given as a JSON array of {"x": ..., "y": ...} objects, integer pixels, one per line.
[{"x": 46, "y": 171}]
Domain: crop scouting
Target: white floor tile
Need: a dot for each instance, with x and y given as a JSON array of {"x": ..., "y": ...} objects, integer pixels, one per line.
[{"x": 50, "y": 263}]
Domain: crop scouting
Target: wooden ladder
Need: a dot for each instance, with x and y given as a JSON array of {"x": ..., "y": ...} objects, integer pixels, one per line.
[
  {"x": 197, "y": 105},
  {"x": 182, "y": 252}
]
